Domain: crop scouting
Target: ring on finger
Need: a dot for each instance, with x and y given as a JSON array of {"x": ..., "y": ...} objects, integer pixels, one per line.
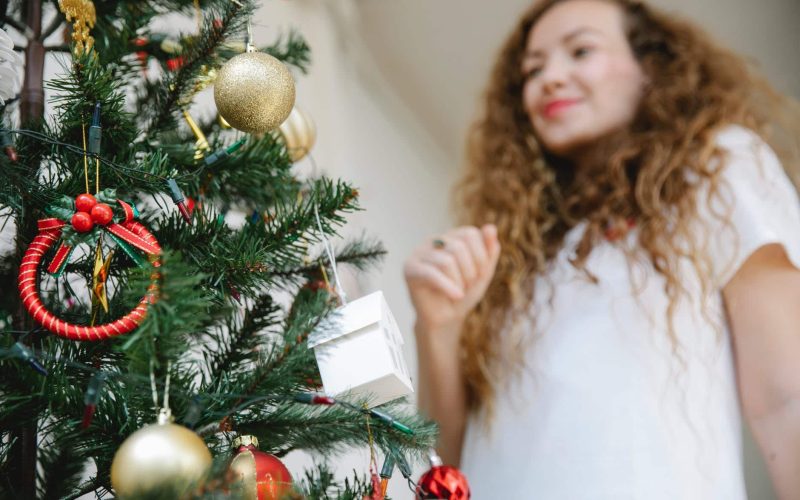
[{"x": 438, "y": 243}]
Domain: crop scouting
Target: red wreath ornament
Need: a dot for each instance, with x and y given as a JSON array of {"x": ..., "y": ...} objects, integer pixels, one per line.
[{"x": 128, "y": 234}]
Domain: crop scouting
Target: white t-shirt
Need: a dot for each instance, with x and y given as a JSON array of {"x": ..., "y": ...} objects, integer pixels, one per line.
[{"x": 604, "y": 409}]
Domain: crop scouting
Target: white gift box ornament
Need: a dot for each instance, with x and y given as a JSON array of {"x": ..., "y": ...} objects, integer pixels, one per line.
[{"x": 362, "y": 354}]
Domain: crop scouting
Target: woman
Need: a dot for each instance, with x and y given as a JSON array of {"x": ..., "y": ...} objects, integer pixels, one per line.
[{"x": 625, "y": 286}]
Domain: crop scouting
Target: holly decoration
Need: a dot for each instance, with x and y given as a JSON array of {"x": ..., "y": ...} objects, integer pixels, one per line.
[
  {"x": 102, "y": 214},
  {"x": 82, "y": 222},
  {"x": 89, "y": 219},
  {"x": 85, "y": 202}
]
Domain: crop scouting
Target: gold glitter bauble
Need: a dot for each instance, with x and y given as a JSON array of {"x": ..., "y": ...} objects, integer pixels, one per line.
[
  {"x": 254, "y": 92},
  {"x": 299, "y": 134},
  {"x": 159, "y": 457}
]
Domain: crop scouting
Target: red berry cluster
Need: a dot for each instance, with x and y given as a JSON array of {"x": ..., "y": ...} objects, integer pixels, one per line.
[{"x": 89, "y": 212}]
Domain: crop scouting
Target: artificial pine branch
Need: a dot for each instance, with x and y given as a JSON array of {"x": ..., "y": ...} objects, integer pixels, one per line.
[
  {"x": 292, "y": 50},
  {"x": 361, "y": 254},
  {"x": 320, "y": 484}
]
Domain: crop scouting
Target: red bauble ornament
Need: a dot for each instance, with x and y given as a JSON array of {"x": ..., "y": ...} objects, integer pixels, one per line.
[
  {"x": 442, "y": 481},
  {"x": 82, "y": 222},
  {"x": 263, "y": 476},
  {"x": 102, "y": 214},
  {"x": 85, "y": 202}
]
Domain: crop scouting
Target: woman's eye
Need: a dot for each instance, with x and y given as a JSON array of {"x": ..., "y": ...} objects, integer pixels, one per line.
[
  {"x": 581, "y": 52},
  {"x": 533, "y": 72}
]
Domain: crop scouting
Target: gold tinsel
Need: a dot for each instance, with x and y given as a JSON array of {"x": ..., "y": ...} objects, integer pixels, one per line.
[{"x": 84, "y": 15}]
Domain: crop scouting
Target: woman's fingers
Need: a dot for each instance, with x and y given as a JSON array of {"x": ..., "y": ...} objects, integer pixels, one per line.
[
  {"x": 429, "y": 275},
  {"x": 473, "y": 239},
  {"x": 457, "y": 261},
  {"x": 490, "y": 239},
  {"x": 456, "y": 245},
  {"x": 445, "y": 262}
]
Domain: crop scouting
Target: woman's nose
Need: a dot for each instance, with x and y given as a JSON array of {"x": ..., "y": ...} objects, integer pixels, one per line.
[{"x": 554, "y": 75}]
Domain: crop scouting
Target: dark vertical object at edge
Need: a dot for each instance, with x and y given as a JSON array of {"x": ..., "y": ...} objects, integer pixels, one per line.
[{"x": 23, "y": 453}]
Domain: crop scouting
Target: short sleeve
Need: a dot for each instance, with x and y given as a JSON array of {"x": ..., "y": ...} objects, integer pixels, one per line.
[{"x": 755, "y": 204}]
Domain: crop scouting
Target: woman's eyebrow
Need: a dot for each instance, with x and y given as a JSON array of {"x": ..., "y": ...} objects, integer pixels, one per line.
[{"x": 566, "y": 38}]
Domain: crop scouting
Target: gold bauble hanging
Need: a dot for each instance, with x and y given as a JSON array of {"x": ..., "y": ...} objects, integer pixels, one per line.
[
  {"x": 298, "y": 133},
  {"x": 254, "y": 92},
  {"x": 158, "y": 458}
]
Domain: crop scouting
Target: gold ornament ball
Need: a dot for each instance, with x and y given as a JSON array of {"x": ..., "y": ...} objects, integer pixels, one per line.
[
  {"x": 254, "y": 92},
  {"x": 159, "y": 457},
  {"x": 299, "y": 134}
]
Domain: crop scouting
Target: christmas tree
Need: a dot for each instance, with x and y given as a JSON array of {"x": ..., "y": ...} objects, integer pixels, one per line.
[{"x": 128, "y": 295}]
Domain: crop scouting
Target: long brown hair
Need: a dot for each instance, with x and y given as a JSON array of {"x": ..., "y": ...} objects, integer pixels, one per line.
[{"x": 695, "y": 88}]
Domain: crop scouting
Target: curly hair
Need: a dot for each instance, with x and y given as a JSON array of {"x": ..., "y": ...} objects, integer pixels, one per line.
[{"x": 695, "y": 88}]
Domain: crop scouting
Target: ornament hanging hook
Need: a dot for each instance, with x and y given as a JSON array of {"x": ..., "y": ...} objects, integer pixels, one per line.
[
  {"x": 164, "y": 412},
  {"x": 248, "y": 41},
  {"x": 153, "y": 386},
  {"x": 248, "y": 46}
]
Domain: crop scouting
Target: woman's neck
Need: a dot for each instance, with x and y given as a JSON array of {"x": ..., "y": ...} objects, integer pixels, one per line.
[{"x": 593, "y": 156}]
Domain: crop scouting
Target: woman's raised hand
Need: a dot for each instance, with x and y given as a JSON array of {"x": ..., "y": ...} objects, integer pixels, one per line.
[{"x": 448, "y": 275}]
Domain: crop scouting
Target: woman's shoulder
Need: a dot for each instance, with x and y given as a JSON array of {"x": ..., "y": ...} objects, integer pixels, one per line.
[
  {"x": 744, "y": 146},
  {"x": 751, "y": 202},
  {"x": 747, "y": 158},
  {"x": 733, "y": 136}
]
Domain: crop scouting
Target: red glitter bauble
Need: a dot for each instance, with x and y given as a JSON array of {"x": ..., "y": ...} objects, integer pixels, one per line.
[
  {"x": 102, "y": 214},
  {"x": 84, "y": 202},
  {"x": 82, "y": 222},
  {"x": 443, "y": 481}
]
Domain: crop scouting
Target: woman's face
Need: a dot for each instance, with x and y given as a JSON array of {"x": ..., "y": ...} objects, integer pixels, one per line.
[{"x": 582, "y": 81}]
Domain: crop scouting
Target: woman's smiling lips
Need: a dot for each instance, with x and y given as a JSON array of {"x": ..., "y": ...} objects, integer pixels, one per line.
[{"x": 556, "y": 106}]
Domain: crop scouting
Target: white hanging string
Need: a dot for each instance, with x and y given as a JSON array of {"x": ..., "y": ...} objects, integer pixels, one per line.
[
  {"x": 331, "y": 257},
  {"x": 166, "y": 386},
  {"x": 155, "y": 390},
  {"x": 153, "y": 386},
  {"x": 325, "y": 242}
]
